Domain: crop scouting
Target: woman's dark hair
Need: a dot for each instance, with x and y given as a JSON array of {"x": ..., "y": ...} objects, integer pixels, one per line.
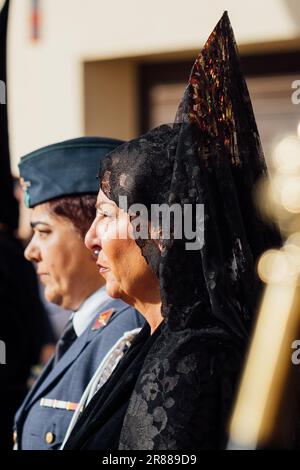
[{"x": 80, "y": 210}]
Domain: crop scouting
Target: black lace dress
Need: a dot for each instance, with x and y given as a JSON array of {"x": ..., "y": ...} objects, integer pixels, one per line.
[
  {"x": 181, "y": 400},
  {"x": 175, "y": 389}
]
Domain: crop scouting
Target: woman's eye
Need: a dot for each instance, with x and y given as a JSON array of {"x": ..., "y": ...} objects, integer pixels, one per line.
[
  {"x": 103, "y": 213},
  {"x": 43, "y": 233}
]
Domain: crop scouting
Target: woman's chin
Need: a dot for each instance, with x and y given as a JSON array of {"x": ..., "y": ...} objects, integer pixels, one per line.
[
  {"x": 112, "y": 290},
  {"x": 53, "y": 297}
]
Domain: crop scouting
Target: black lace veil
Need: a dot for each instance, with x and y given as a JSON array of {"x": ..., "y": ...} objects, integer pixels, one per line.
[{"x": 210, "y": 156}]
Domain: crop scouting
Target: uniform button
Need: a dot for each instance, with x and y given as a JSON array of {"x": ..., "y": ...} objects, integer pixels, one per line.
[
  {"x": 15, "y": 437},
  {"x": 49, "y": 437}
]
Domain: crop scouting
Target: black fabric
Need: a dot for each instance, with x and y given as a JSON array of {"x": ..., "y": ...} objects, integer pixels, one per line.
[
  {"x": 100, "y": 424},
  {"x": 66, "y": 339},
  {"x": 183, "y": 396},
  {"x": 9, "y": 212},
  {"x": 197, "y": 370},
  {"x": 212, "y": 156},
  {"x": 22, "y": 328}
]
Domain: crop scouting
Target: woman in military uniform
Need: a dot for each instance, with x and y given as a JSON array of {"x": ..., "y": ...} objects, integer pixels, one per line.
[{"x": 60, "y": 188}]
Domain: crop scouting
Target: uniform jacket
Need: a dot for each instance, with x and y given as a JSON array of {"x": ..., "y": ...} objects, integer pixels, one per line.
[{"x": 42, "y": 422}]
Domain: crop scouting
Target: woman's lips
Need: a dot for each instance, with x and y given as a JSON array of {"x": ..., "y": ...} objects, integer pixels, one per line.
[
  {"x": 43, "y": 277},
  {"x": 103, "y": 270}
]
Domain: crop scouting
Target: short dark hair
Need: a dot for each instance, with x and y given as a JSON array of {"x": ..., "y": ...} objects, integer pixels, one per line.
[{"x": 79, "y": 209}]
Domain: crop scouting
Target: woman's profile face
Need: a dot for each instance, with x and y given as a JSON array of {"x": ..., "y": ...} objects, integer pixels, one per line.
[
  {"x": 120, "y": 260},
  {"x": 64, "y": 265}
]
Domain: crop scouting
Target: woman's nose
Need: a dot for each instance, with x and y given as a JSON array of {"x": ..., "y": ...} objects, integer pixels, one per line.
[
  {"x": 32, "y": 253},
  {"x": 91, "y": 241}
]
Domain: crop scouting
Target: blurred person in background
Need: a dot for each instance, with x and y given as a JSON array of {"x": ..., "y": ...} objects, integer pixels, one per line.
[
  {"x": 60, "y": 187},
  {"x": 23, "y": 322},
  {"x": 24, "y": 328}
]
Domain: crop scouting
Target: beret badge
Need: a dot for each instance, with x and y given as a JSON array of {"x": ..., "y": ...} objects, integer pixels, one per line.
[{"x": 25, "y": 185}]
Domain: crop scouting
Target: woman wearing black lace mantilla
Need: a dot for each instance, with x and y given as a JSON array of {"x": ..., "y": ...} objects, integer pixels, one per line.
[{"x": 175, "y": 386}]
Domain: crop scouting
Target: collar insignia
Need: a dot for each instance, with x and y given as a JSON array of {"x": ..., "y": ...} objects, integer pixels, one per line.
[{"x": 102, "y": 319}]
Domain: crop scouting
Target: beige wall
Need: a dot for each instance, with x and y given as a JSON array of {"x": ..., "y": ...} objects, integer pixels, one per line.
[
  {"x": 46, "y": 79},
  {"x": 111, "y": 98}
]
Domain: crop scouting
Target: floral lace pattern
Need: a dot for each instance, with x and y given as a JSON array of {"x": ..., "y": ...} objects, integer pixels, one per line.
[{"x": 184, "y": 394}]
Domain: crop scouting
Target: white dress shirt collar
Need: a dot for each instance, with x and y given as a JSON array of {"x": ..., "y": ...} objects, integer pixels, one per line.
[{"x": 95, "y": 303}]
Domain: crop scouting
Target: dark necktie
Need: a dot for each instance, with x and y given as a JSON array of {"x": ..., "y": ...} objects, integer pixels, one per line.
[{"x": 67, "y": 338}]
